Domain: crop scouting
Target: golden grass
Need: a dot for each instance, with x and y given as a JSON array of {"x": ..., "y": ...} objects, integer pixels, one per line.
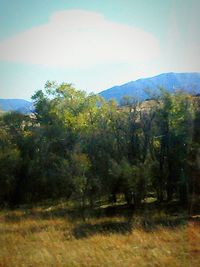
[{"x": 29, "y": 239}]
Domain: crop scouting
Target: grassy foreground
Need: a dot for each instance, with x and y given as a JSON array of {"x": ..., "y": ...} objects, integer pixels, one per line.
[{"x": 55, "y": 237}]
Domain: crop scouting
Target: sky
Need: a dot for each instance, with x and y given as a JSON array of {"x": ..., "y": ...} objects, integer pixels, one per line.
[{"x": 94, "y": 44}]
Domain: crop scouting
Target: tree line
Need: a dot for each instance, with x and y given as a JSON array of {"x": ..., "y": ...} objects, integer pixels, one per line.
[{"x": 80, "y": 147}]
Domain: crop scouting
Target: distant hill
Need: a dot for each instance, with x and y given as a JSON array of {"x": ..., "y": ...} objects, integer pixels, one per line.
[
  {"x": 189, "y": 82},
  {"x": 19, "y": 105}
]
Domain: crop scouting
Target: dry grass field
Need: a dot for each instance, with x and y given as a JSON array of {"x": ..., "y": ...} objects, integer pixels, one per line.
[{"x": 53, "y": 237}]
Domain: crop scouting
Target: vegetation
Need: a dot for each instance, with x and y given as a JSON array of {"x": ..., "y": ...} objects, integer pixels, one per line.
[
  {"x": 57, "y": 236},
  {"x": 80, "y": 147},
  {"x": 124, "y": 172}
]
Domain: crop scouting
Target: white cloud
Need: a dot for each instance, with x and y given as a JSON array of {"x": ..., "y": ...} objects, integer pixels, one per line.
[{"x": 77, "y": 38}]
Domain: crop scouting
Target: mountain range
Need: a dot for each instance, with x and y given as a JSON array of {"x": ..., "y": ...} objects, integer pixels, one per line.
[
  {"x": 141, "y": 89},
  {"x": 18, "y": 105},
  {"x": 144, "y": 88}
]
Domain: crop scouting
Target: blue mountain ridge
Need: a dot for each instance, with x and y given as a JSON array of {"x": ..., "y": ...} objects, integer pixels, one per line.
[
  {"x": 143, "y": 89},
  {"x": 18, "y": 105}
]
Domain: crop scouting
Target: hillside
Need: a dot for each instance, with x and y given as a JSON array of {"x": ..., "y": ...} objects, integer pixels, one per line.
[
  {"x": 20, "y": 105},
  {"x": 189, "y": 82}
]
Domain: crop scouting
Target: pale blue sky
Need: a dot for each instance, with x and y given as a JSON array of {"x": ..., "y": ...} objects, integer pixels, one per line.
[{"x": 94, "y": 44}]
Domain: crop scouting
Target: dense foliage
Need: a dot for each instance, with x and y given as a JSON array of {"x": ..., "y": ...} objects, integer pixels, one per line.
[{"x": 81, "y": 147}]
